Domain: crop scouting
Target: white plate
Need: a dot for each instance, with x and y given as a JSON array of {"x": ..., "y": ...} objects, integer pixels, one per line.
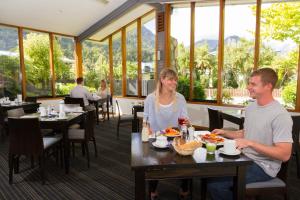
[
  {"x": 237, "y": 152},
  {"x": 197, "y": 135},
  {"x": 160, "y": 147}
]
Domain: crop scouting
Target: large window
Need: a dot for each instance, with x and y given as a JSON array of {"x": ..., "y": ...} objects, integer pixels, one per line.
[
  {"x": 279, "y": 48},
  {"x": 10, "y": 84},
  {"x": 180, "y": 47},
  {"x": 205, "y": 67},
  {"x": 91, "y": 64},
  {"x": 36, "y": 56},
  {"x": 64, "y": 64},
  {"x": 117, "y": 63},
  {"x": 148, "y": 54},
  {"x": 239, "y": 42},
  {"x": 131, "y": 60},
  {"x": 104, "y": 61}
]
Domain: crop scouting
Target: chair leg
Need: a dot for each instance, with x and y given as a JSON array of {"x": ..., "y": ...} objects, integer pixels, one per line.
[
  {"x": 73, "y": 149},
  {"x": 82, "y": 148},
  {"x": 10, "y": 166},
  {"x": 86, "y": 144},
  {"x": 118, "y": 127},
  {"x": 95, "y": 147},
  {"x": 42, "y": 158},
  {"x": 32, "y": 161},
  {"x": 61, "y": 154},
  {"x": 16, "y": 163}
]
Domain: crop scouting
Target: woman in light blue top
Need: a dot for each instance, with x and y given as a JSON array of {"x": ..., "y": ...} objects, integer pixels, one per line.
[{"x": 162, "y": 108}]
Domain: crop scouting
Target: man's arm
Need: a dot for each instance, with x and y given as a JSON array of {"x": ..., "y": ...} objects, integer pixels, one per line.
[
  {"x": 279, "y": 151},
  {"x": 229, "y": 134}
]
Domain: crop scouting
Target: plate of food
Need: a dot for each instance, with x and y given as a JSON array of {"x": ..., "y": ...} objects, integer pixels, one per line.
[
  {"x": 171, "y": 132},
  {"x": 212, "y": 138}
]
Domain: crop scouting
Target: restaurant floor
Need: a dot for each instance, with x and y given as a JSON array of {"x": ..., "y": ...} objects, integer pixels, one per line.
[{"x": 109, "y": 176}]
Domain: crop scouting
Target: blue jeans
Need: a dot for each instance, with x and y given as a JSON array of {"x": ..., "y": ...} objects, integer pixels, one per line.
[{"x": 221, "y": 188}]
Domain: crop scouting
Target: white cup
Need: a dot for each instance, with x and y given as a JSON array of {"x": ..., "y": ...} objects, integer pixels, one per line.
[
  {"x": 229, "y": 146},
  {"x": 42, "y": 111},
  {"x": 61, "y": 115},
  {"x": 161, "y": 141}
]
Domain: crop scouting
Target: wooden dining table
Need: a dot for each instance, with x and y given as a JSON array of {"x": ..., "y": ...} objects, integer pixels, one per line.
[
  {"x": 149, "y": 163},
  {"x": 61, "y": 126}
]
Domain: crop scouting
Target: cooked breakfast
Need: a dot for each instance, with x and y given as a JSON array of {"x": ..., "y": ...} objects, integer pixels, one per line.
[
  {"x": 171, "y": 132},
  {"x": 211, "y": 137}
]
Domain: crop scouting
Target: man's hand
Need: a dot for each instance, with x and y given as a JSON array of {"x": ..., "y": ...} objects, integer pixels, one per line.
[
  {"x": 218, "y": 131},
  {"x": 242, "y": 143}
]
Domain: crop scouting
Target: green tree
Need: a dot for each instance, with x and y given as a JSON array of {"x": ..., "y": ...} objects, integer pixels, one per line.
[{"x": 36, "y": 48}]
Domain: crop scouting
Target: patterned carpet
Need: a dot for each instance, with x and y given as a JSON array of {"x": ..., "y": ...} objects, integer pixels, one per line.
[{"x": 109, "y": 176}]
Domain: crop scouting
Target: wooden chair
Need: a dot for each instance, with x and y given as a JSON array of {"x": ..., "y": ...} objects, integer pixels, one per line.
[
  {"x": 215, "y": 119},
  {"x": 25, "y": 138},
  {"x": 267, "y": 188},
  {"x": 85, "y": 135},
  {"x": 296, "y": 145},
  {"x": 71, "y": 100},
  {"x": 124, "y": 119}
]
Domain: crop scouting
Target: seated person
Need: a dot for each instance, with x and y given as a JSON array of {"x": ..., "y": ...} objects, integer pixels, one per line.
[
  {"x": 266, "y": 138},
  {"x": 103, "y": 91},
  {"x": 79, "y": 91},
  {"x": 162, "y": 108}
]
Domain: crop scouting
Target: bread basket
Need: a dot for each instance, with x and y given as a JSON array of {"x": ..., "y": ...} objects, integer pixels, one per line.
[{"x": 185, "y": 148}]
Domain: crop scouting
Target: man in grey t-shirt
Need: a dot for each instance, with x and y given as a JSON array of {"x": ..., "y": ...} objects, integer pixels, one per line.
[{"x": 266, "y": 138}]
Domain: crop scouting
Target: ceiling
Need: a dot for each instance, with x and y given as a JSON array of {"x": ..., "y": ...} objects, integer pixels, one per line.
[{"x": 70, "y": 17}]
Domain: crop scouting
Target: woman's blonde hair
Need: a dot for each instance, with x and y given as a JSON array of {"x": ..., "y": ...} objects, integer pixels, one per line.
[{"x": 165, "y": 73}]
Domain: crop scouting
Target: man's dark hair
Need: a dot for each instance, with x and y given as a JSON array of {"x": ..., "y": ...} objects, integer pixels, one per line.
[
  {"x": 79, "y": 80},
  {"x": 267, "y": 75}
]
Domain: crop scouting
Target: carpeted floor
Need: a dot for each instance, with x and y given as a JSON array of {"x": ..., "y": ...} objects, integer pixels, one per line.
[{"x": 109, "y": 176}]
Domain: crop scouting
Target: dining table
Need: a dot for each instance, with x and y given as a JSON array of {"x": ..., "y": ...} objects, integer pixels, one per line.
[
  {"x": 60, "y": 125},
  {"x": 150, "y": 163}
]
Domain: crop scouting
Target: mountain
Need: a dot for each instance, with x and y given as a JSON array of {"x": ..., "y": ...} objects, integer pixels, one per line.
[{"x": 213, "y": 44}]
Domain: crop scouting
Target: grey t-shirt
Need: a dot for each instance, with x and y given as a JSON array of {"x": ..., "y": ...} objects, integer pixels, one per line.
[
  {"x": 163, "y": 117},
  {"x": 268, "y": 125}
]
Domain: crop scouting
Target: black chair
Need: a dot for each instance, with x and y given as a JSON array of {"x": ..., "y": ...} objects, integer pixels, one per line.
[
  {"x": 124, "y": 119},
  {"x": 110, "y": 105},
  {"x": 31, "y": 99},
  {"x": 296, "y": 145},
  {"x": 17, "y": 112},
  {"x": 85, "y": 135},
  {"x": 274, "y": 186},
  {"x": 71, "y": 100},
  {"x": 25, "y": 138},
  {"x": 215, "y": 119}
]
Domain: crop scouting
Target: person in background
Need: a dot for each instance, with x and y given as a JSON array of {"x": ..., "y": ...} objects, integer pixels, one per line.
[
  {"x": 103, "y": 91},
  {"x": 79, "y": 91},
  {"x": 162, "y": 108},
  {"x": 266, "y": 138}
]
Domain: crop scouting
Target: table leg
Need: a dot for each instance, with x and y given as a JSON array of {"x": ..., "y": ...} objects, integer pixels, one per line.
[
  {"x": 239, "y": 183},
  {"x": 140, "y": 184},
  {"x": 97, "y": 111},
  {"x": 66, "y": 149},
  {"x": 107, "y": 109}
]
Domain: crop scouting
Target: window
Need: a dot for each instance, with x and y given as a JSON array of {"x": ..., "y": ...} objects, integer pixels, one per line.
[
  {"x": 64, "y": 64},
  {"x": 91, "y": 63},
  {"x": 148, "y": 54},
  {"x": 10, "y": 83},
  {"x": 180, "y": 47},
  {"x": 131, "y": 60},
  {"x": 239, "y": 40},
  {"x": 117, "y": 63},
  {"x": 279, "y": 47},
  {"x": 37, "y": 66},
  {"x": 104, "y": 61},
  {"x": 205, "y": 69}
]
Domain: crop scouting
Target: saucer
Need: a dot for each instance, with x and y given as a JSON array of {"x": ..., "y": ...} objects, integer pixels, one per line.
[
  {"x": 160, "y": 147},
  {"x": 237, "y": 152}
]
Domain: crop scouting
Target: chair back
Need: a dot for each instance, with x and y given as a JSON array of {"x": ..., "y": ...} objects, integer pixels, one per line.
[
  {"x": 17, "y": 112},
  {"x": 72, "y": 100},
  {"x": 25, "y": 136},
  {"x": 283, "y": 172},
  {"x": 89, "y": 123},
  {"x": 118, "y": 108},
  {"x": 215, "y": 119},
  {"x": 31, "y": 99},
  {"x": 296, "y": 129}
]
